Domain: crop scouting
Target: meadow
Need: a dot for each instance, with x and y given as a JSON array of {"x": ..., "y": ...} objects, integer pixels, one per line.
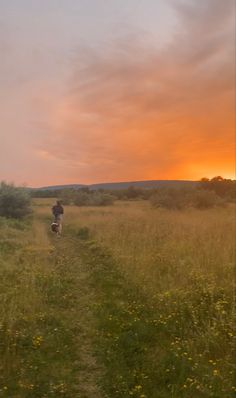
[{"x": 131, "y": 301}]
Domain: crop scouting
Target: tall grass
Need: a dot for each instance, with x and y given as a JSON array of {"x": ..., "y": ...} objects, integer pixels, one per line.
[
  {"x": 164, "y": 250},
  {"x": 162, "y": 295},
  {"x": 184, "y": 264}
]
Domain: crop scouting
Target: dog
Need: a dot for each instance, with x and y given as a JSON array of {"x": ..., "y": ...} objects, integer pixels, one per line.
[{"x": 55, "y": 227}]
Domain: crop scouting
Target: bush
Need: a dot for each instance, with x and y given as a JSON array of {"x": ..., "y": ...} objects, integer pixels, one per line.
[
  {"x": 175, "y": 199},
  {"x": 178, "y": 199},
  {"x": 81, "y": 199},
  {"x": 93, "y": 199},
  {"x": 101, "y": 199},
  {"x": 67, "y": 196},
  {"x": 223, "y": 187},
  {"x": 14, "y": 202},
  {"x": 206, "y": 199}
]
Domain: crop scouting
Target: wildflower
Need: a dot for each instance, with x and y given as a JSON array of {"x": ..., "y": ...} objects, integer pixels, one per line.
[{"x": 37, "y": 341}]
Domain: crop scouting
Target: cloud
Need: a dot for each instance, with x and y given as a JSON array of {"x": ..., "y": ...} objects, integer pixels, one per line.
[{"x": 134, "y": 111}]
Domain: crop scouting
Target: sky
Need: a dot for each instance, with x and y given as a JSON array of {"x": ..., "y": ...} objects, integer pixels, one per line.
[{"x": 105, "y": 90}]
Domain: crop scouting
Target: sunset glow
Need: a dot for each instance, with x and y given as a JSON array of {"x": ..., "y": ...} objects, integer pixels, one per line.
[{"x": 96, "y": 92}]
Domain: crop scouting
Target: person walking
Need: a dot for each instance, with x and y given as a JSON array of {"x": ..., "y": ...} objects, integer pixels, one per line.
[{"x": 58, "y": 211}]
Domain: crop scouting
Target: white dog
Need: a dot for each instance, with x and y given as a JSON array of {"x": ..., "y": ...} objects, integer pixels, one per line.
[{"x": 56, "y": 227}]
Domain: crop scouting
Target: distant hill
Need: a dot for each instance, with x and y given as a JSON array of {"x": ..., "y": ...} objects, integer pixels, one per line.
[
  {"x": 124, "y": 185},
  {"x": 59, "y": 187}
]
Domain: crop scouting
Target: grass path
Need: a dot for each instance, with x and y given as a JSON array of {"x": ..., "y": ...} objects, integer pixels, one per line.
[
  {"x": 46, "y": 324},
  {"x": 73, "y": 302},
  {"x": 80, "y": 298}
]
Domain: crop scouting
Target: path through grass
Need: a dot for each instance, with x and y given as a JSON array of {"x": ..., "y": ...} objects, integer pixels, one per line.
[{"x": 46, "y": 324}]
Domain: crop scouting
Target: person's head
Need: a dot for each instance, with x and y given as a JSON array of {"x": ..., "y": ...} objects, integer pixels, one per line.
[{"x": 58, "y": 203}]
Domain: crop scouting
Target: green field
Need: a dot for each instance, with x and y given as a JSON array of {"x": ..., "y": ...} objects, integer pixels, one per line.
[{"x": 131, "y": 301}]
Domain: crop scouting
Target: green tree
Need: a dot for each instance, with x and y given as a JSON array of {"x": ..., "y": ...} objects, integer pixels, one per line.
[
  {"x": 223, "y": 187},
  {"x": 14, "y": 201}
]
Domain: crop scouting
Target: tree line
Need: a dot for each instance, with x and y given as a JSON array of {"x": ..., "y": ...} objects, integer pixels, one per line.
[
  {"x": 206, "y": 193},
  {"x": 218, "y": 191}
]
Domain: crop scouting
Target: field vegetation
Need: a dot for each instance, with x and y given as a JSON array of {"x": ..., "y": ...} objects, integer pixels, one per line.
[
  {"x": 132, "y": 301},
  {"x": 182, "y": 264},
  {"x": 14, "y": 201}
]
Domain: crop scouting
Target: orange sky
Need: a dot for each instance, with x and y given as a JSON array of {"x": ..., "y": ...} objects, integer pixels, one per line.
[{"x": 132, "y": 110}]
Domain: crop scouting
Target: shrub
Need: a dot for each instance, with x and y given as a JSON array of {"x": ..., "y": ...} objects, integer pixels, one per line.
[
  {"x": 14, "y": 201},
  {"x": 101, "y": 199},
  {"x": 178, "y": 199},
  {"x": 206, "y": 199},
  {"x": 67, "y": 196},
  {"x": 93, "y": 199},
  {"x": 81, "y": 199},
  {"x": 223, "y": 187},
  {"x": 171, "y": 198}
]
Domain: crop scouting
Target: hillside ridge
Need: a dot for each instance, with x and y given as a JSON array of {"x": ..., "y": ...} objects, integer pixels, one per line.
[{"x": 121, "y": 185}]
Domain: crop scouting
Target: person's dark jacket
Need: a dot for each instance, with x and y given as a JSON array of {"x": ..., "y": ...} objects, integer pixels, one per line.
[{"x": 57, "y": 210}]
